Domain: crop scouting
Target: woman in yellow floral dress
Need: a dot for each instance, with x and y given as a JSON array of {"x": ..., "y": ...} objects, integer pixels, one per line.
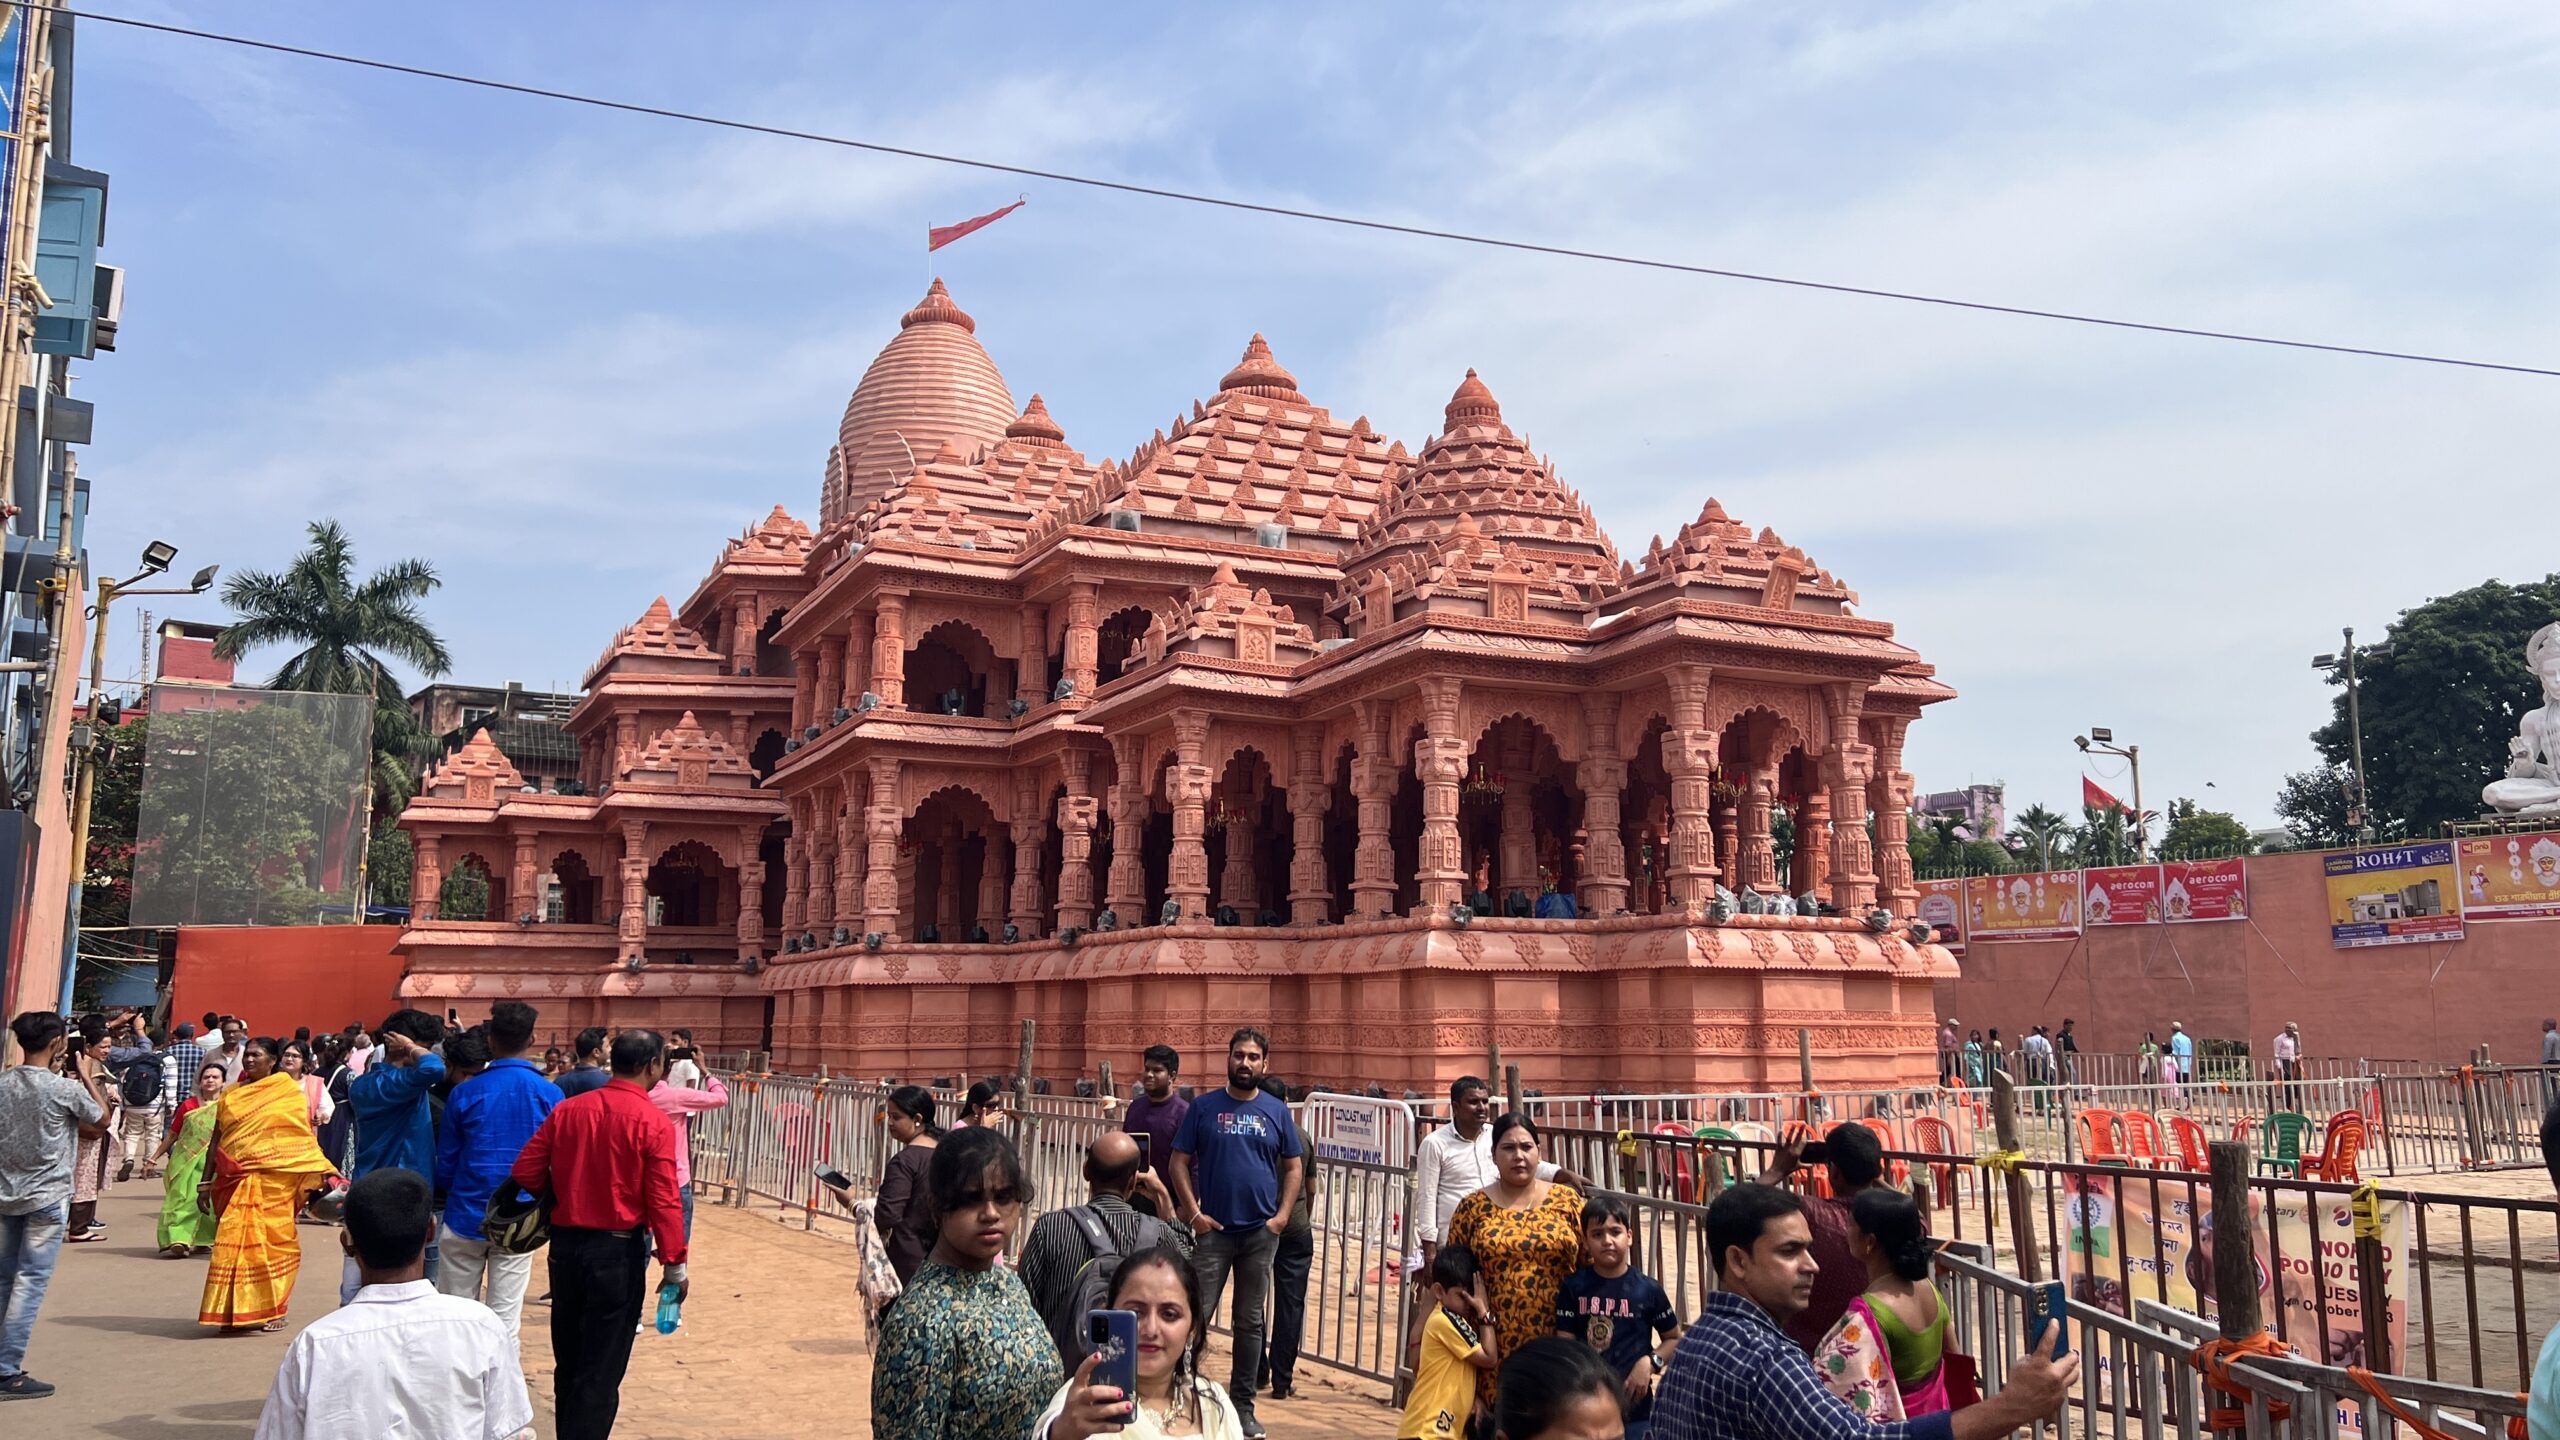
[{"x": 1527, "y": 1237}]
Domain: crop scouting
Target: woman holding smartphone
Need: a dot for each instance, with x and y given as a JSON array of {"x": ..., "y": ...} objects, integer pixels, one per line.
[
  {"x": 963, "y": 1355},
  {"x": 1174, "y": 1401}
]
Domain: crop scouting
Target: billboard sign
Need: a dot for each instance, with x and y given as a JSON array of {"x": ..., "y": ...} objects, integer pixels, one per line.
[
  {"x": 1942, "y": 909},
  {"x": 2033, "y": 906},
  {"x": 2393, "y": 895},
  {"x": 2121, "y": 895},
  {"x": 2204, "y": 890},
  {"x": 2510, "y": 877}
]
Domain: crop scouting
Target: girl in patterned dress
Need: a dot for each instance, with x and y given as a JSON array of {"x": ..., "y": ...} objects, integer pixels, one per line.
[{"x": 964, "y": 1355}]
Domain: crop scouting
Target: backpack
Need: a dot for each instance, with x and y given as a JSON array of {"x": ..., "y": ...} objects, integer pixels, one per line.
[
  {"x": 1090, "y": 1287},
  {"x": 141, "y": 1081}
]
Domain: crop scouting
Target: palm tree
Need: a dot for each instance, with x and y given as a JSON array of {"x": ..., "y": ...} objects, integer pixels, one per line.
[
  {"x": 2038, "y": 829},
  {"x": 345, "y": 629}
]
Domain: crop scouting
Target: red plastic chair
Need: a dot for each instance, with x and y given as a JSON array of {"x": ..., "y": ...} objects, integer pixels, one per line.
[
  {"x": 2098, "y": 1135},
  {"x": 2338, "y": 1149},
  {"x": 1937, "y": 1137},
  {"x": 1682, "y": 1186},
  {"x": 2190, "y": 1138},
  {"x": 2143, "y": 1144},
  {"x": 1883, "y": 1130}
]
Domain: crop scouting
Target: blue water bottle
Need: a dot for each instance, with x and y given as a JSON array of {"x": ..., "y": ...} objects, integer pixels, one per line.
[{"x": 667, "y": 1307}]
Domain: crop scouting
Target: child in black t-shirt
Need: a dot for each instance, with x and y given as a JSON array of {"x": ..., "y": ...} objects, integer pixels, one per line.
[{"x": 1617, "y": 1309}]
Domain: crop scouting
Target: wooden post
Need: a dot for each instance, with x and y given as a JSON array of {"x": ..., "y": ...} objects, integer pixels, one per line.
[
  {"x": 2374, "y": 1299},
  {"x": 1492, "y": 1062},
  {"x": 2022, "y": 1221},
  {"x": 1022, "y": 1070},
  {"x": 1107, "y": 1092},
  {"x": 1804, "y": 1067},
  {"x": 1511, "y": 1087},
  {"x": 2235, "y": 1247}
]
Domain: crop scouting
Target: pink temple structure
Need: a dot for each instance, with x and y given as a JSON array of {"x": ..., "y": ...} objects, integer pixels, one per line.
[{"x": 1275, "y": 721}]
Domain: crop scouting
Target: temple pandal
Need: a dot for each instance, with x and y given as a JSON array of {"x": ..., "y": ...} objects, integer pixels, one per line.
[{"x": 1275, "y": 722}]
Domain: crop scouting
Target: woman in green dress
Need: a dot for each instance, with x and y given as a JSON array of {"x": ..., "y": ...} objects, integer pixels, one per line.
[
  {"x": 963, "y": 1354},
  {"x": 186, "y": 1228}
]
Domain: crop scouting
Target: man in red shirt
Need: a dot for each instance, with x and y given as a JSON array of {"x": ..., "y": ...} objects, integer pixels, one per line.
[
  {"x": 606, "y": 1162},
  {"x": 1855, "y": 1158}
]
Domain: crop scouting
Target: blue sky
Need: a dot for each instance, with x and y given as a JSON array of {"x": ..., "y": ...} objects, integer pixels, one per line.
[{"x": 563, "y": 353}]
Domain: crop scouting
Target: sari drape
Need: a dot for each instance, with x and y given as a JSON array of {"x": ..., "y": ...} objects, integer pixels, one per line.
[
  {"x": 1856, "y": 1366},
  {"x": 265, "y": 1159},
  {"x": 182, "y": 1221}
]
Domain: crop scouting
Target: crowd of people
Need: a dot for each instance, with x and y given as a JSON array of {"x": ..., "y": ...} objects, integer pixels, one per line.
[{"x": 445, "y": 1156}]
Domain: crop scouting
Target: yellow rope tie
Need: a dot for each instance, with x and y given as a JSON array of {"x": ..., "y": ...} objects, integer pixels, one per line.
[{"x": 2004, "y": 1161}]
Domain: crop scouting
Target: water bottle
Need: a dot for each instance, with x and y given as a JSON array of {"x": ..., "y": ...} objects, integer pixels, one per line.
[{"x": 667, "y": 1307}]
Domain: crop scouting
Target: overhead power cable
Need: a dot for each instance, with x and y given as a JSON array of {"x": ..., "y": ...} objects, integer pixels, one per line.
[{"x": 1322, "y": 217}]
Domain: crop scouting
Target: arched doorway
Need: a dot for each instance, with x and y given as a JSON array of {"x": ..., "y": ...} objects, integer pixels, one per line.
[
  {"x": 1644, "y": 811},
  {"x": 1519, "y": 809},
  {"x": 1250, "y": 844},
  {"x": 954, "y": 670},
  {"x": 577, "y": 896},
  {"x": 472, "y": 891},
  {"x": 1116, "y": 639},
  {"x": 956, "y": 858},
  {"x": 690, "y": 885}
]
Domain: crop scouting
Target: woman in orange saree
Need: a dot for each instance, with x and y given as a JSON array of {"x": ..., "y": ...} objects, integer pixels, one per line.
[{"x": 265, "y": 1159}]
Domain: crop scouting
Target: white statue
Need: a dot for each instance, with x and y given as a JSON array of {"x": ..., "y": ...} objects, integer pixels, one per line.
[{"x": 2532, "y": 786}]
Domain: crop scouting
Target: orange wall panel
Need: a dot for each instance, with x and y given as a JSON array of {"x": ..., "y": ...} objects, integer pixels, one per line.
[{"x": 277, "y": 977}]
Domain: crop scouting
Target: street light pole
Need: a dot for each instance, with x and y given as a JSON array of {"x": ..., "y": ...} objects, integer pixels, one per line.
[
  {"x": 2098, "y": 739},
  {"x": 85, "y": 738},
  {"x": 2344, "y": 664}
]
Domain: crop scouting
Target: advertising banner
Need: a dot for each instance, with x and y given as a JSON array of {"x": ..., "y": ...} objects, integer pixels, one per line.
[
  {"x": 2119, "y": 1250},
  {"x": 2038, "y": 906},
  {"x": 2122, "y": 895},
  {"x": 2204, "y": 890},
  {"x": 2393, "y": 895},
  {"x": 2510, "y": 877},
  {"x": 1942, "y": 907}
]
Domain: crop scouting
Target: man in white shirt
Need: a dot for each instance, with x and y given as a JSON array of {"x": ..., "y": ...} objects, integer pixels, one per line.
[
  {"x": 1452, "y": 1163},
  {"x": 2288, "y": 1051},
  {"x": 402, "y": 1359}
]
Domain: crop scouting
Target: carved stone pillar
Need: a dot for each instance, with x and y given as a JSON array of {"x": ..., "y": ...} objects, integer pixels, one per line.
[
  {"x": 1373, "y": 782},
  {"x": 1440, "y": 762},
  {"x": 857, "y": 665},
  {"x": 750, "y": 892},
  {"x": 633, "y": 929},
  {"x": 1310, "y": 795},
  {"x": 521, "y": 893},
  {"x": 1889, "y": 793},
  {"x": 742, "y": 635},
  {"x": 1759, "y": 854},
  {"x": 1810, "y": 869},
  {"x": 1084, "y": 645},
  {"x": 1030, "y": 846},
  {"x": 1031, "y": 672},
  {"x": 821, "y": 850},
  {"x": 889, "y": 651},
  {"x": 1603, "y": 776},
  {"x": 426, "y": 877},
  {"x": 994, "y": 882},
  {"x": 830, "y": 693},
  {"x": 738, "y": 732},
  {"x": 1728, "y": 828},
  {"x": 852, "y": 855},
  {"x": 1127, "y": 891},
  {"x": 1187, "y": 789},
  {"x": 1239, "y": 885},
  {"x": 1847, "y": 766},
  {"x": 1076, "y": 815},
  {"x": 804, "y": 694},
  {"x": 1688, "y": 753},
  {"x": 880, "y": 824},
  {"x": 1519, "y": 867},
  {"x": 626, "y": 744},
  {"x": 795, "y": 871}
]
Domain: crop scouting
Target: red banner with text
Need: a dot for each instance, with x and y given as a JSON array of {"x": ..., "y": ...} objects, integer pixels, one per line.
[
  {"x": 2204, "y": 890},
  {"x": 2122, "y": 894},
  {"x": 1942, "y": 908}
]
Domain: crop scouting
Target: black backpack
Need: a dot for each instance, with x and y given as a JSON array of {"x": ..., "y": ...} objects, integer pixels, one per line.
[
  {"x": 1090, "y": 1288},
  {"x": 141, "y": 1081}
]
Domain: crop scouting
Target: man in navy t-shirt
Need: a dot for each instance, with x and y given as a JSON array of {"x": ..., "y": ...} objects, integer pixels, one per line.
[{"x": 1237, "y": 1167}]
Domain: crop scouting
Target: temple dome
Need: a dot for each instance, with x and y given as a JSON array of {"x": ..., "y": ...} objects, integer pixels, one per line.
[{"x": 933, "y": 386}]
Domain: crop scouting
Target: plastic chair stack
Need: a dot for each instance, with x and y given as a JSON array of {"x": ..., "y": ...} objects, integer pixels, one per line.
[{"x": 2344, "y": 1137}]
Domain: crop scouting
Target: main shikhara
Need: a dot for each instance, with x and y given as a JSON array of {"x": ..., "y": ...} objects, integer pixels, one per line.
[{"x": 1275, "y": 720}]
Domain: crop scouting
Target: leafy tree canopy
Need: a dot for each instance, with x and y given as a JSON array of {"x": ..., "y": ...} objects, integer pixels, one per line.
[
  {"x": 2196, "y": 833},
  {"x": 2439, "y": 709},
  {"x": 2313, "y": 806}
]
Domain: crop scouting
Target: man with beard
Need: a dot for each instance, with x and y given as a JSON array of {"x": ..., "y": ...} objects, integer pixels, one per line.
[{"x": 1237, "y": 1166}]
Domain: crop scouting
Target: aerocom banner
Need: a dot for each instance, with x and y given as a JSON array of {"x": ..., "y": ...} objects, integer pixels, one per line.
[
  {"x": 1942, "y": 907},
  {"x": 2122, "y": 895},
  {"x": 2204, "y": 890}
]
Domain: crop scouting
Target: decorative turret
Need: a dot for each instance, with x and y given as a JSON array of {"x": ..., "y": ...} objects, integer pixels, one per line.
[
  {"x": 477, "y": 774},
  {"x": 1258, "y": 374},
  {"x": 655, "y": 644},
  {"x": 689, "y": 757},
  {"x": 1716, "y": 557},
  {"x": 1228, "y": 619}
]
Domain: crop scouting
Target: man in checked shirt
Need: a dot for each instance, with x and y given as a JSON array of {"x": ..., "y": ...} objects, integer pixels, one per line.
[{"x": 1736, "y": 1375}]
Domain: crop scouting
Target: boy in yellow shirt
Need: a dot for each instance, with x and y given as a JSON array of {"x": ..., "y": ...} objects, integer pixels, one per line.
[{"x": 1457, "y": 1341}]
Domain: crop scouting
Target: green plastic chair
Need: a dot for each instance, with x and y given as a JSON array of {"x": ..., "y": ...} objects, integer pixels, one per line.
[
  {"x": 2280, "y": 1142},
  {"x": 1727, "y": 1144}
]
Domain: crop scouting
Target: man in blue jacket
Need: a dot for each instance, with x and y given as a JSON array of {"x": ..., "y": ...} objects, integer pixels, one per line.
[
  {"x": 394, "y": 1130},
  {"x": 486, "y": 1122}
]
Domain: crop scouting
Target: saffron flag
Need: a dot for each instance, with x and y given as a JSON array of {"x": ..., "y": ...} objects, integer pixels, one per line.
[
  {"x": 2095, "y": 796},
  {"x": 941, "y": 235}
]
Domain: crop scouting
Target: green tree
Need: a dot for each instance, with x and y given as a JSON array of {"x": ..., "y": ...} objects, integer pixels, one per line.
[
  {"x": 2039, "y": 835},
  {"x": 2104, "y": 837},
  {"x": 115, "y": 804},
  {"x": 2439, "y": 709},
  {"x": 2196, "y": 833},
  {"x": 248, "y": 816},
  {"x": 388, "y": 866},
  {"x": 1939, "y": 852},
  {"x": 345, "y": 629},
  {"x": 2314, "y": 806}
]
